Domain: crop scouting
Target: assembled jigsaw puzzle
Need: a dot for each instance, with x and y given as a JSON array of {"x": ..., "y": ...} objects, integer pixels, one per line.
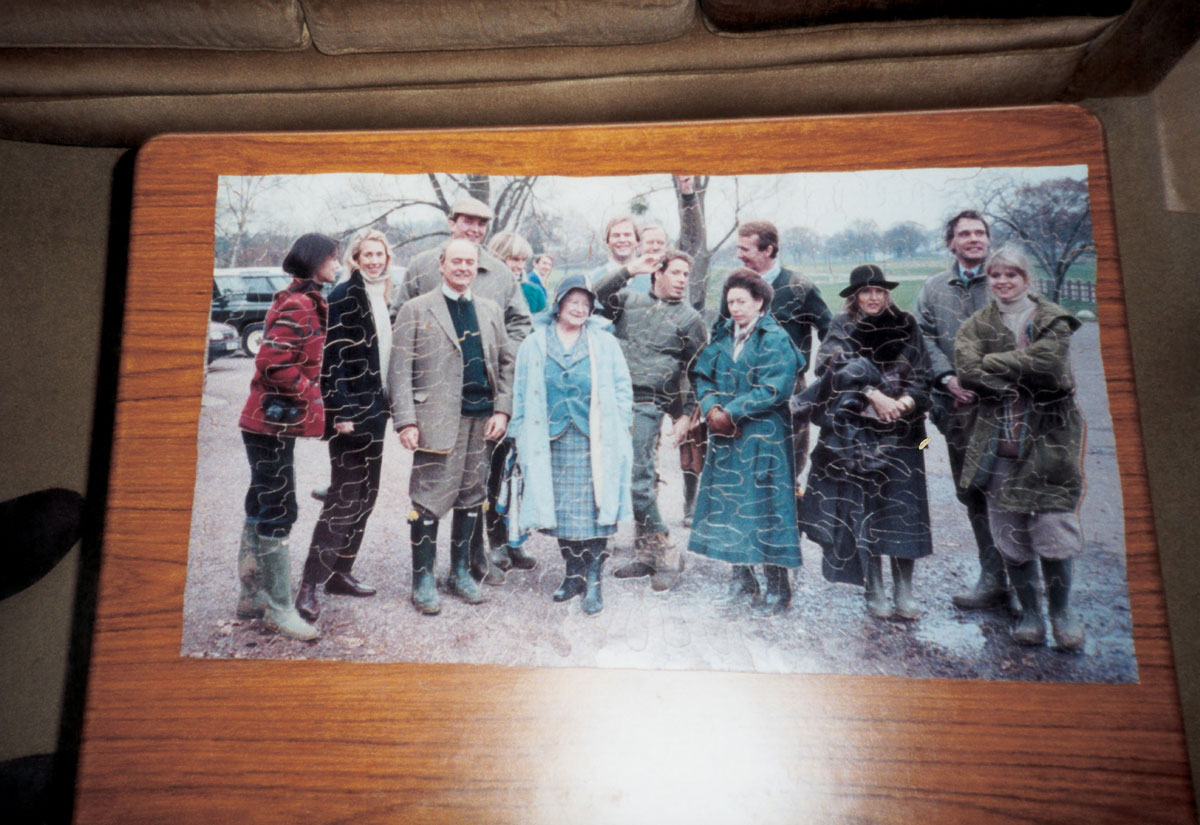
[{"x": 795, "y": 423}]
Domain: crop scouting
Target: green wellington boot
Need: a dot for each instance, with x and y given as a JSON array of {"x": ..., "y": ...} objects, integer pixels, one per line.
[
  {"x": 423, "y": 532},
  {"x": 464, "y": 530},
  {"x": 876, "y": 594},
  {"x": 902, "y": 586},
  {"x": 991, "y": 589},
  {"x": 479, "y": 561},
  {"x": 276, "y": 596},
  {"x": 1030, "y": 628},
  {"x": 249, "y": 576},
  {"x": 1067, "y": 629}
]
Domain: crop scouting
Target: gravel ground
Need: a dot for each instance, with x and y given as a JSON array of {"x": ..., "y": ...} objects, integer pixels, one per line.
[{"x": 826, "y": 630}]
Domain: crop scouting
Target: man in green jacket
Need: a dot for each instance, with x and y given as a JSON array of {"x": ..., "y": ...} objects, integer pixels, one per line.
[
  {"x": 946, "y": 300},
  {"x": 660, "y": 335}
]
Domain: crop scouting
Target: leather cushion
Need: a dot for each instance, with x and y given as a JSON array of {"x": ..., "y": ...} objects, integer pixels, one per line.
[
  {"x": 352, "y": 26},
  {"x": 258, "y": 25}
]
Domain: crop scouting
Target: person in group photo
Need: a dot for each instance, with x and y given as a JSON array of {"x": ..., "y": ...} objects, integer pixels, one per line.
[
  {"x": 572, "y": 414},
  {"x": 866, "y": 496},
  {"x": 745, "y": 507},
  {"x": 353, "y": 386},
  {"x": 661, "y": 335},
  {"x": 285, "y": 403},
  {"x": 450, "y": 386},
  {"x": 1026, "y": 449}
]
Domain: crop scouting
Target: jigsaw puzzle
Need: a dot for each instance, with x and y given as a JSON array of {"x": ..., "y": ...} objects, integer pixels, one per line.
[{"x": 798, "y": 423}]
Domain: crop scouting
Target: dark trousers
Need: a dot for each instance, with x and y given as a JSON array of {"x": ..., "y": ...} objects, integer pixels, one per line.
[
  {"x": 356, "y": 461},
  {"x": 497, "y": 529},
  {"x": 974, "y": 499},
  {"x": 271, "y": 499}
]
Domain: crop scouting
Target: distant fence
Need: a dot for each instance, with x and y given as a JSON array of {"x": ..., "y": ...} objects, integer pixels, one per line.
[{"x": 1071, "y": 290}]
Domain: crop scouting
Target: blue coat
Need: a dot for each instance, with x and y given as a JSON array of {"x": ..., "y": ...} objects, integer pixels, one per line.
[
  {"x": 609, "y": 421},
  {"x": 746, "y": 506}
]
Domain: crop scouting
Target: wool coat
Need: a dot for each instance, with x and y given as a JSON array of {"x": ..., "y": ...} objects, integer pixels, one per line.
[
  {"x": 285, "y": 392},
  {"x": 866, "y": 491},
  {"x": 745, "y": 509},
  {"x": 1048, "y": 475},
  {"x": 943, "y": 304},
  {"x": 351, "y": 383},
  {"x": 426, "y": 368},
  {"x": 610, "y": 416}
]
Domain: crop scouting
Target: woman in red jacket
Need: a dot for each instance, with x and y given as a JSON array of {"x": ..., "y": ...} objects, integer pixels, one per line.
[{"x": 284, "y": 403}]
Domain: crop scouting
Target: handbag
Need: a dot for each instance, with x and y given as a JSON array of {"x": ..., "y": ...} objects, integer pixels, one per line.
[{"x": 692, "y": 448}]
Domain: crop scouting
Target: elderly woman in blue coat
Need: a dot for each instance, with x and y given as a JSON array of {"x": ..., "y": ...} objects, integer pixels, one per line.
[
  {"x": 746, "y": 505},
  {"x": 572, "y": 414}
]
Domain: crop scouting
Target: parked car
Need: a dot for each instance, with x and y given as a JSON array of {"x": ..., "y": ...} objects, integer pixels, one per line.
[
  {"x": 223, "y": 340},
  {"x": 241, "y": 297}
]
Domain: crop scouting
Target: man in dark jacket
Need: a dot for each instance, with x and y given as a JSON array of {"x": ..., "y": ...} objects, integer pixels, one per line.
[
  {"x": 660, "y": 335},
  {"x": 946, "y": 300},
  {"x": 797, "y": 307}
]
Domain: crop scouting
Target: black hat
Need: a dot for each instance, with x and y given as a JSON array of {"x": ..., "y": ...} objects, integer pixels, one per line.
[{"x": 867, "y": 275}]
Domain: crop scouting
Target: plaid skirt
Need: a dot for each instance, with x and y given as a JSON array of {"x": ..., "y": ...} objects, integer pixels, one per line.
[{"x": 574, "y": 497}]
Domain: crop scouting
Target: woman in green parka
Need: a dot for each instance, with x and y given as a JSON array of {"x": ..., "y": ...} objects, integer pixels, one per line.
[
  {"x": 1026, "y": 449},
  {"x": 746, "y": 503}
]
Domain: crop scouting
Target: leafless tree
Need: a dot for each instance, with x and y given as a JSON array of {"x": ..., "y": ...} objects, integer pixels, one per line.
[{"x": 236, "y": 200}]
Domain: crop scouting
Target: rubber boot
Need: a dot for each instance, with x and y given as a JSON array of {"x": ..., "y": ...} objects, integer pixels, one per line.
[
  {"x": 249, "y": 575},
  {"x": 902, "y": 589},
  {"x": 423, "y": 530},
  {"x": 593, "y": 560},
  {"x": 482, "y": 568},
  {"x": 668, "y": 563},
  {"x": 779, "y": 591},
  {"x": 743, "y": 587},
  {"x": 1030, "y": 629},
  {"x": 276, "y": 595},
  {"x": 1068, "y": 631},
  {"x": 573, "y": 580},
  {"x": 520, "y": 559},
  {"x": 690, "y": 482},
  {"x": 464, "y": 530},
  {"x": 991, "y": 589},
  {"x": 876, "y": 595}
]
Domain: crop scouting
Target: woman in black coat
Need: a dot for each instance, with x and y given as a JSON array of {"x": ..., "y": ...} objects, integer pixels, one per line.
[
  {"x": 357, "y": 348},
  {"x": 866, "y": 494}
]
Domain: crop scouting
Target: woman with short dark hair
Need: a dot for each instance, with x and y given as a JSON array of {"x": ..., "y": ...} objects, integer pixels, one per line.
[
  {"x": 746, "y": 503},
  {"x": 866, "y": 495},
  {"x": 284, "y": 404}
]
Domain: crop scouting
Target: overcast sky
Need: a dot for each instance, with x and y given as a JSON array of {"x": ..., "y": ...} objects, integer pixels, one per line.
[{"x": 824, "y": 201}]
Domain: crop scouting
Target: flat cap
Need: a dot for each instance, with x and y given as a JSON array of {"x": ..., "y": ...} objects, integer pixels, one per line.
[{"x": 471, "y": 206}]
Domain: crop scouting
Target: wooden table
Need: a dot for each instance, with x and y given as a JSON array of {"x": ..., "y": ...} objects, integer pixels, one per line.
[{"x": 179, "y": 740}]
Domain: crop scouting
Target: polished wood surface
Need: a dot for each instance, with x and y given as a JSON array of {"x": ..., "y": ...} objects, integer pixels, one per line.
[{"x": 188, "y": 740}]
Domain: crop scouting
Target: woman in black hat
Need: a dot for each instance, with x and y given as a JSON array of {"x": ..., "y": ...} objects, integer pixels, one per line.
[{"x": 866, "y": 495}]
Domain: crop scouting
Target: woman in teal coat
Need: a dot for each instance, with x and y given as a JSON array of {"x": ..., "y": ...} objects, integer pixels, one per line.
[{"x": 746, "y": 505}]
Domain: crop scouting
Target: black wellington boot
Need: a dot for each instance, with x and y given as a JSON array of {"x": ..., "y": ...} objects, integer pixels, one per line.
[
  {"x": 743, "y": 587},
  {"x": 423, "y": 531},
  {"x": 1030, "y": 629},
  {"x": 779, "y": 591},
  {"x": 573, "y": 580},
  {"x": 593, "y": 560},
  {"x": 464, "y": 529}
]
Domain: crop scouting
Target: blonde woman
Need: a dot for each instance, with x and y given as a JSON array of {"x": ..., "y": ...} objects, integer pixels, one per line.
[{"x": 356, "y": 415}]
